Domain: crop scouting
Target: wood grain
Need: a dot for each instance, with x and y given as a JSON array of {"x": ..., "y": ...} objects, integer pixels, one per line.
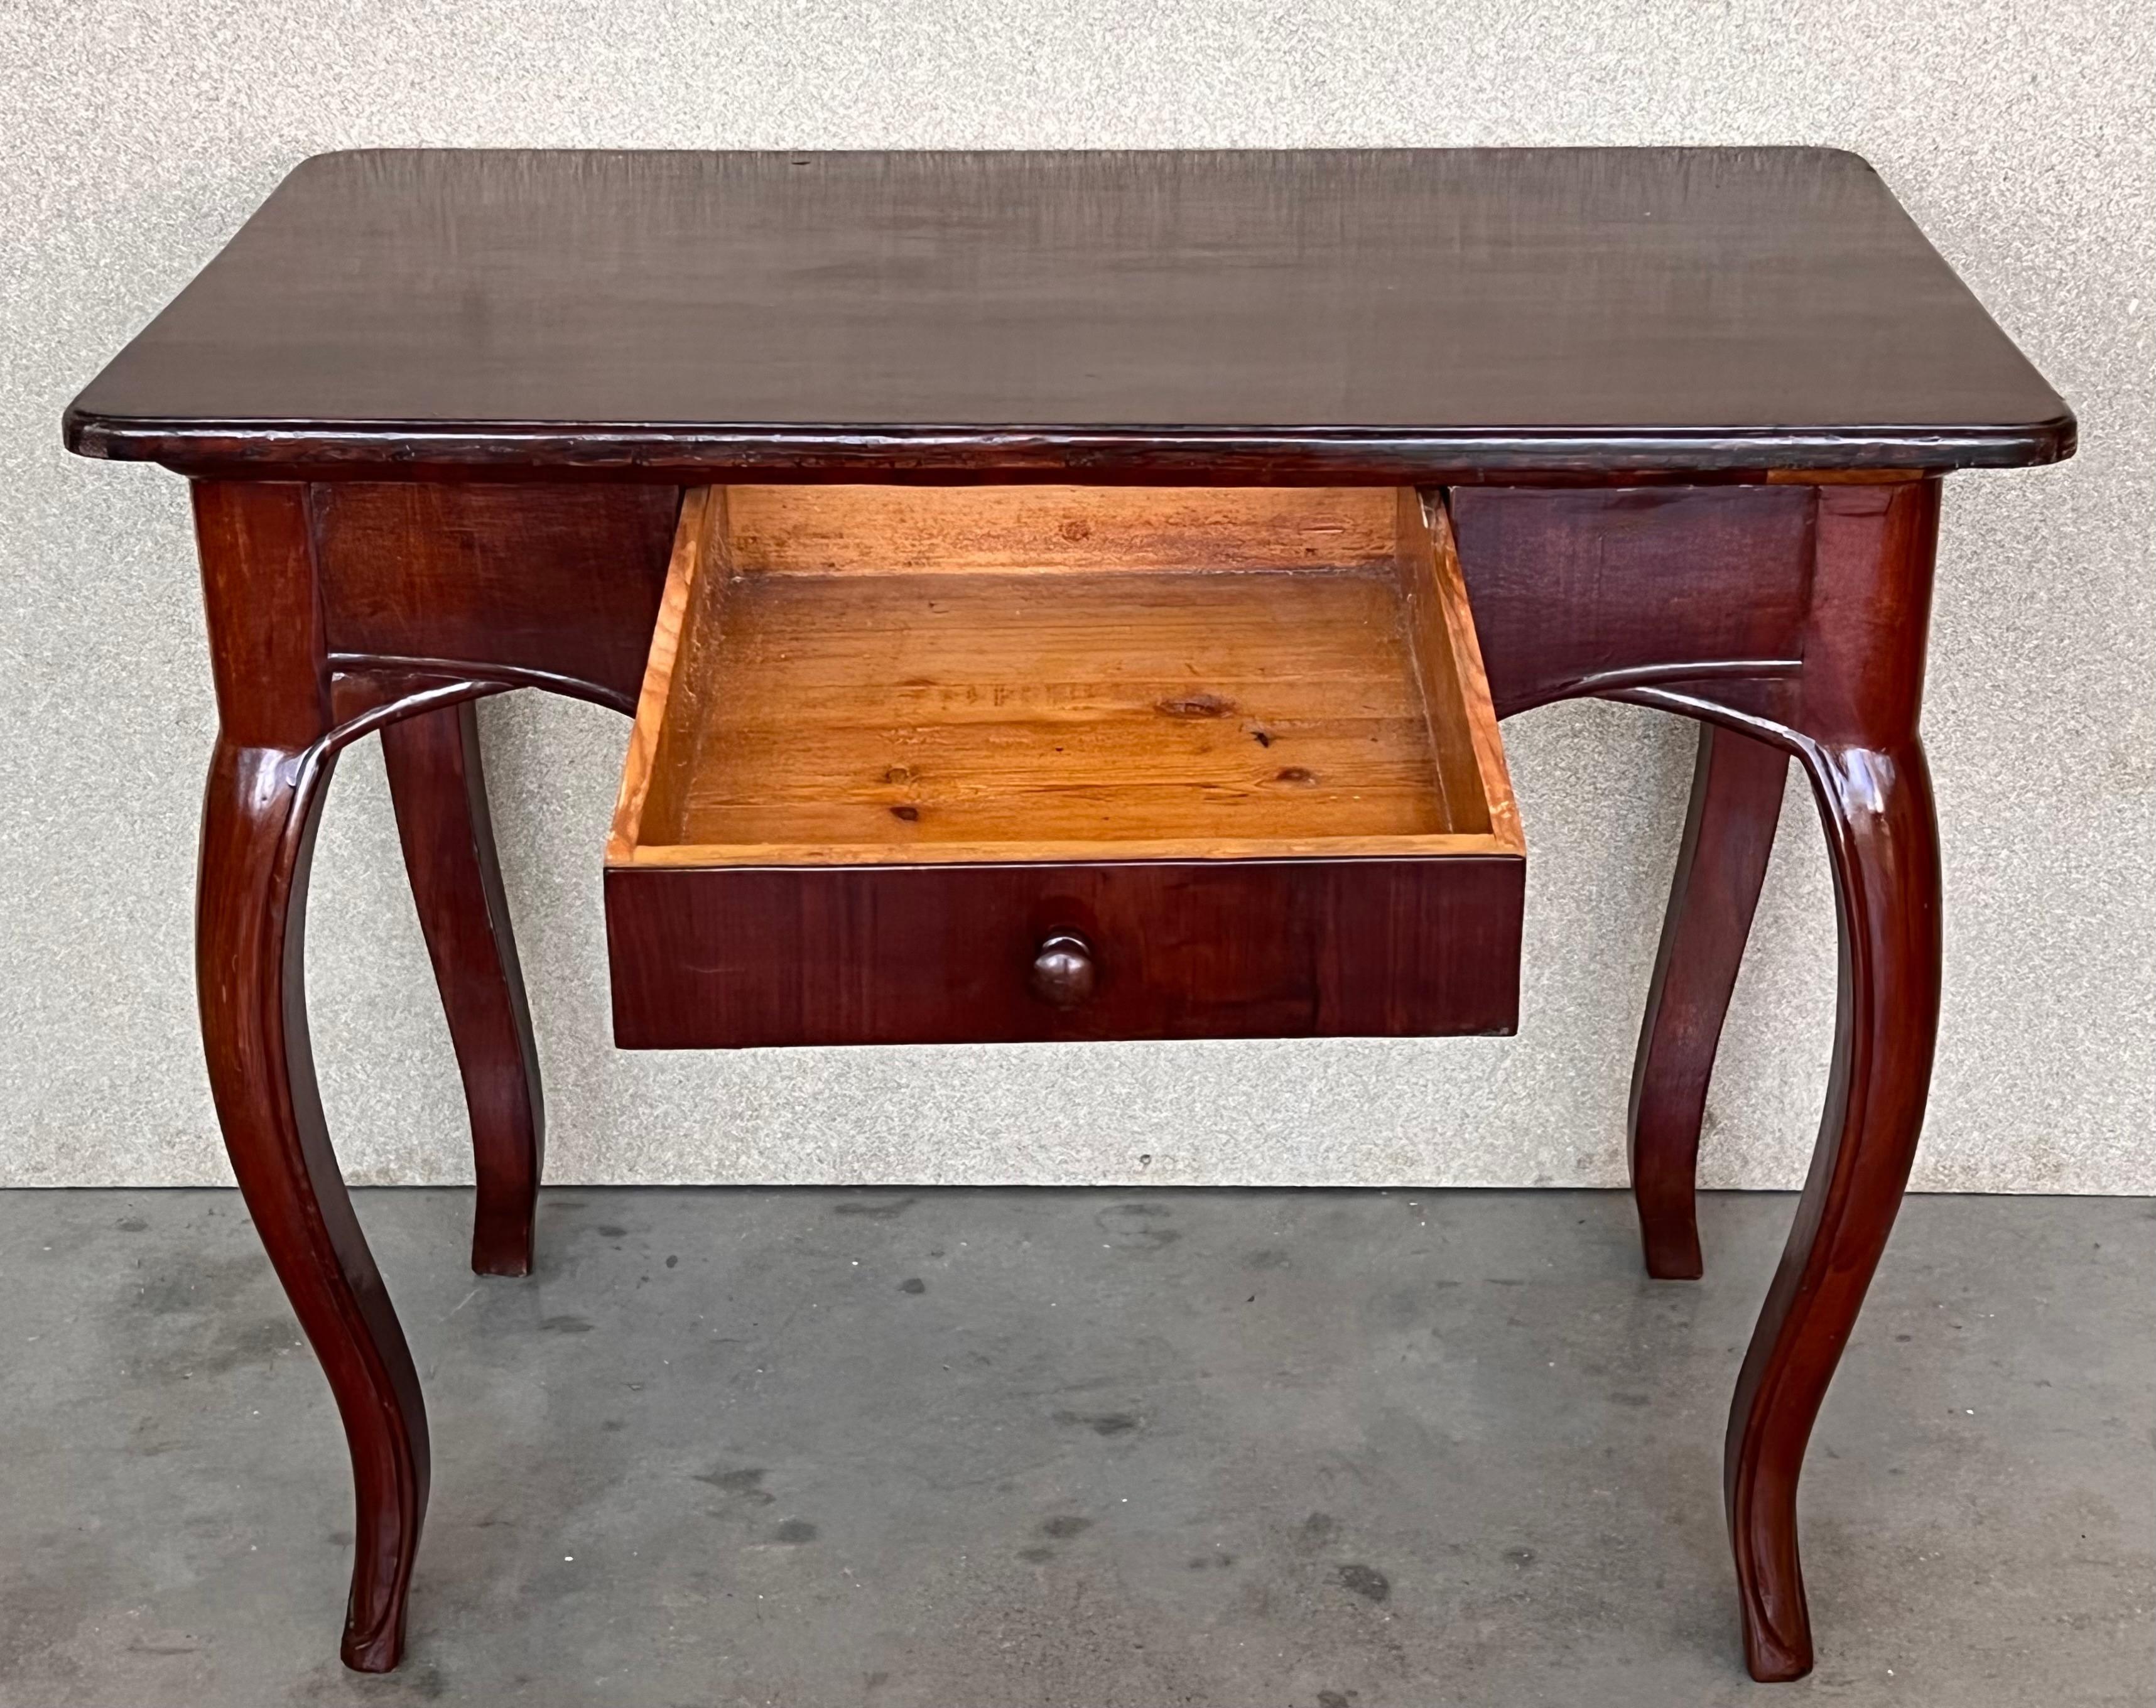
[
  {"x": 901, "y": 529},
  {"x": 1348, "y": 316},
  {"x": 467, "y": 387},
  {"x": 437, "y": 790},
  {"x": 1448, "y": 663},
  {"x": 868, "y": 786},
  {"x": 1721, "y": 862},
  {"x": 808, "y": 702},
  {"x": 555, "y": 578},
  {"x": 906, "y": 710},
  {"x": 1445, "y": 845},
  {"x": 268, "y": 771},
  {"x": 700, "y": 559},
  {"x": 769, "y": 957},
  {"x": 1580, "y": 591}
]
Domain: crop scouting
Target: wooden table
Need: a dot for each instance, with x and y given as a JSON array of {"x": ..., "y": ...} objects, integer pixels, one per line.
[{"x": 1670, "y": 423}]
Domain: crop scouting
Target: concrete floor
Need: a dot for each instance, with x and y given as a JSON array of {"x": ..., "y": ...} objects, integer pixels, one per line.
[{"x": 1074, "y": 1449}]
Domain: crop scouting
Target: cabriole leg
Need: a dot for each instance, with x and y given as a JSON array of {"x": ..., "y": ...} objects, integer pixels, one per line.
[
  {"x": 440, "y": 792},
  {"x": 258, "y": 822},
  {"x": 267, "y": 775},
  {"x": 1883, "y": 846},
  {"x": 1729, "y": 833}
]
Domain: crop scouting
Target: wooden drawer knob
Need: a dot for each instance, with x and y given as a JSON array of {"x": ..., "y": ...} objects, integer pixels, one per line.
[{"x": 1063, "y": 970}]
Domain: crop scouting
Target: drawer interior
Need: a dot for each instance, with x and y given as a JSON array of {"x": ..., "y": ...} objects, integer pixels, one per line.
[{"x": 854, "y": 675}]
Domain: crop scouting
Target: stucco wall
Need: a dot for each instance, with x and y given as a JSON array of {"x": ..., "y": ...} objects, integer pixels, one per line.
[{"x": 138, "y": 137}]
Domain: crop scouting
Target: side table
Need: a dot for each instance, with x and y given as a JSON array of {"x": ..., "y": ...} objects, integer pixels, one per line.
[{"x": 1070, "y": 596}]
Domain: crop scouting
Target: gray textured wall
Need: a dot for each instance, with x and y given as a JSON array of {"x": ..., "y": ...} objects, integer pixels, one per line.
[{"x": 138, "y": 136}]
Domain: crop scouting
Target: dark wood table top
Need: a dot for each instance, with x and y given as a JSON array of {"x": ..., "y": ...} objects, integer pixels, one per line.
[{"x": 1389, "y": 313}]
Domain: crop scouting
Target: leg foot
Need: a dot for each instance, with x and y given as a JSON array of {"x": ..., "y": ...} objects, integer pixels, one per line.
[
  {"x": 1729, "y": 833},
  {"x": 1883, "y": 846},
  {"x": 439, "y": 793},
  {"x": 259, "y": 821}
]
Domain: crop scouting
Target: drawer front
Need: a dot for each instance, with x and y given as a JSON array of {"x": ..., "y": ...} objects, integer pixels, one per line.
[{"x": 719, "y": 958}]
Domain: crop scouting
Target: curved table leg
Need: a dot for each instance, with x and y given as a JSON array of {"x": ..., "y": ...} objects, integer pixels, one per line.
[
  {"x": 1883, "y": 843},
  {"x": 258, "y": 820},
  {"x": 439, "y": 793},
  {"x": 1729, "y": 833}
]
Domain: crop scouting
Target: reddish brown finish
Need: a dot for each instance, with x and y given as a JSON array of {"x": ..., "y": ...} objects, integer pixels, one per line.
[
  {"x": 1851, "y": 720},
  {"x": 1590, "y": 591},
  {"x": 1791, "y": 680},
  {"x": 1729, "y": 833},
  {"x": 438, "y": 791},
  {"x": 1064, "y": 973},
  {"x": 1882, "y": 845},
  {"x": 1844, "y": 701},
  {"x": 557, "y": 584},
  {"x": 719, "y": 958},
  {"x": 1371, "y": 315},
  {"x": 1855, "y": 730},
  {"x": 401, "y": 582},
  {"x": 266, "y": 644},
  {"x": 266, "y": 778}
]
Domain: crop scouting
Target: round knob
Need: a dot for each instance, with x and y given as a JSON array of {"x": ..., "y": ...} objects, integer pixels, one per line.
[{"x": 1063, "y": 970}]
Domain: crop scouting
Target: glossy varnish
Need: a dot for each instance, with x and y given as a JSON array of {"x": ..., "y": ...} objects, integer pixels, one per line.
[
  {"x": 1687, "y": 408},
  {"x": 1373, "y": 314},
  {"x": 1236, "y": 743}
]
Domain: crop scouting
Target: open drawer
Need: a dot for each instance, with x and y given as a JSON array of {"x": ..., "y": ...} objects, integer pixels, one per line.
[{"x": 996, "y": 763}]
